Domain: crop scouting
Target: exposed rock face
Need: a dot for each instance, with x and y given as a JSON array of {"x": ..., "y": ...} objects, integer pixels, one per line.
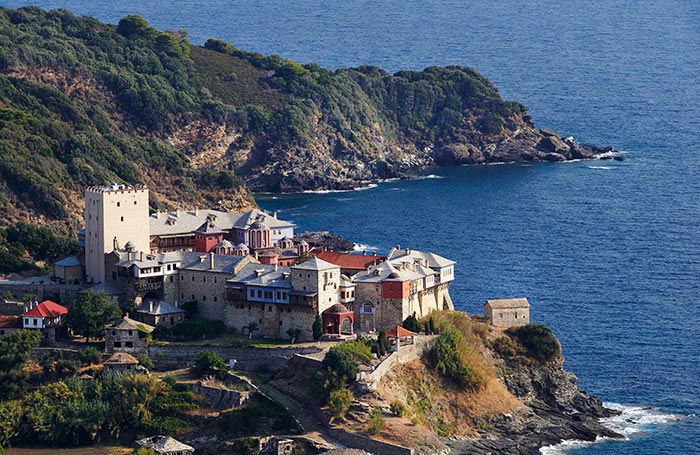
[
  {"x": 556, "y": 410},
  {"x": 326, "y": 240}
]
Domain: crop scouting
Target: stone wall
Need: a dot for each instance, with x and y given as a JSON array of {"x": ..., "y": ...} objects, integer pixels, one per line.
[
  {"x": 273, "y": 319},
  {"x": 403, "y": 355},
  {"x": 222, "y": 397},
  {"x": 247, "y": 359},
  {"x": 370, "y": 445},
  {"x": 207, "y": 288},
  {"x": 66, "y": 292}
]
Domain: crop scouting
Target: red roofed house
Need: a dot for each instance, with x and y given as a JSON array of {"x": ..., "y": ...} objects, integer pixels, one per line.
[
  {"x": 401, "y": 335},
  {"x": 47, "y": 317},
  {"x": 349, "y": 263},
  {"x": 9, "y": 325}
]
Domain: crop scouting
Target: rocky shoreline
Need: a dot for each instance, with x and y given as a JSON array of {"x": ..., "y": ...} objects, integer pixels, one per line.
[
  {"x": 556, "y": 410},
  {"x": 320, "y": 171}
]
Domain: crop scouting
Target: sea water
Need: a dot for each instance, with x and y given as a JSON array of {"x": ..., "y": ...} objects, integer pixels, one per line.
[{"x": 607, "y": 252}]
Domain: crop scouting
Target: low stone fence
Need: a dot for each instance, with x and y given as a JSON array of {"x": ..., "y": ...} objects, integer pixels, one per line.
[
  {"x": 221, "y": 397},
  {"x": 404, "y": 354},
  {"x": 65, "y": 293},
  {"x": 370, "y": 445},
  {"x": 247, "y": 358}
]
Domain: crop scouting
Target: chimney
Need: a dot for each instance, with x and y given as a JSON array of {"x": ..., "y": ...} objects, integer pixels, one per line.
[
  {"x": 196, "y": 211},
  {"x": 141, "y": 256},
  {"x": 274, "y": 215},
  {"x": 256, "y": 255},
  {"x": 275, "y": 267},
  {"x": 211, "y": 261},
  {"x": 398, "y": 247},
  {"x": 408, "y": 251},
  {"x": 150, "y": 306},
  {"x": 177, "y": 212},
  {"x": 374, "y": 253},
  {"x": 201, "y": 259},
  {"x": 157, "y": 214},
  {"x": 364, "y": 252}
]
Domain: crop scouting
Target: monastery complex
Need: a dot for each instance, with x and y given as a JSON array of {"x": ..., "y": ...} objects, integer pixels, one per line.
[{"x": 245, "y": 268}]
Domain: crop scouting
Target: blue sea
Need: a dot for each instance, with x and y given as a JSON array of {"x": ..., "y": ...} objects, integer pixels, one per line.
[{"x": 607, "y": 252}]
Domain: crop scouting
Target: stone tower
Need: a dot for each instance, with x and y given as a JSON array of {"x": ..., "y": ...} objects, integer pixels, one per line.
[
  {"x": 114, "y": 215},
  {"x": 316, "y": 275}
]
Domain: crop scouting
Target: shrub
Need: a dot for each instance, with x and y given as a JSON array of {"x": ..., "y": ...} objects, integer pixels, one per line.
[
  {"x": 209, "y": 363},
  {"x": 339, "y": 402},
  {"x": 411, "y": 323},
  {"x": 376, "y": 422},
  {"x": 538, "y": 340},
  {"x": 397, "y": 408},
  {"x": 145, "y": 361},
  {"x": 317, "y": 328},
  {"x": 454, "y": 358},
  {"x": 89, "y": 355}
]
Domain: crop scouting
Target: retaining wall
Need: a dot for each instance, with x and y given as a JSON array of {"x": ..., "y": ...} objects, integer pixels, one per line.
[
  {"x": 404, "y": 354},
  {"x": 370, "y": 445},
  {"x": 247, "y": 358}
]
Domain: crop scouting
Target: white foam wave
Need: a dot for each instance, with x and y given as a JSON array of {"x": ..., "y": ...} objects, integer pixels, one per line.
[
  {"x": 363, "y": 247},
  {"x": 600, "y": 168},
  {"x": 429, "y": 176},
  {"x": 633, "y": 421},
  {"x": 366, "y": 187},
  {"x": 636, "y": 419}
]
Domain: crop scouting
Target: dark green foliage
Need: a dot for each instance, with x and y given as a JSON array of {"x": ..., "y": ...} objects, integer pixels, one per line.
[
  {"x": 376, "y": 422},
  {"x": 36, "y": 243},
  {"x": 317, "y": 328},
  {"x": 341, "y": 361},
  {"x": 255, "y": 418},
  {"x": 75, "y": 412},
  {"x": 137, "y": 86},
  {"x": 189, "y": 330},
  {"x": 452, "y": 357},
  {"x": 209, "y": 363},
  {"x": 145, "y": 361},
  {"x": 538, "y": 340},
  {"x": 55, "y": 367},
  {"x": 339, "y": 401},
  {"x": 383, "y": 343},
  {"x": 245, "y": 446},
  {"x": 411, "y": 323},
  {"x": 90, "y": 313},
  {"x": 397, "y": 408},
  {"x": 15, "y": 350},
  {"x": 90, "y": 355},
  {"x": 191, "y": 309}
]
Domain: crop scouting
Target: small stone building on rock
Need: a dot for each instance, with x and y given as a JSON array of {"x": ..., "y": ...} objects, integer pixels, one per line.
[{"x": 507, "y": 312}]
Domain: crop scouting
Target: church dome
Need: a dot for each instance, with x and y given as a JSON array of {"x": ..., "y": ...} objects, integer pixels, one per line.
[
  {"x": 259, "y": 225},
  {"x": 224, "y": 244},
  {"x": 337, "y": 308}
]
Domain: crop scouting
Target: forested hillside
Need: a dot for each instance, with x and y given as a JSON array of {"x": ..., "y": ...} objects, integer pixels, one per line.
[{"x": 82, "y": 102}]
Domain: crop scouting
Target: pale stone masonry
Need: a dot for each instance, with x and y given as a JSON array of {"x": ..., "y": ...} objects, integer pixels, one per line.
[
  {"x": 507, "y": 312},
  {"x": 115, "y": 216}
]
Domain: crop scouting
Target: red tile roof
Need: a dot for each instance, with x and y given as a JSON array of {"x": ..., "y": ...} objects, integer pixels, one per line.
[
  {"x": 399, "y": 332},
  {"x": 10, "y": 322},
  {"x": 47, "y": 309},
  {"x": 349, "y": 261}
]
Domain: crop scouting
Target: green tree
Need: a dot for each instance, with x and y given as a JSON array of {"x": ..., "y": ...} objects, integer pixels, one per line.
[
  {"x": 342, "y": 364},
  {"x": 15, "y": 350},
  {"x": 383, "y": 343},
  {"x": 145, "y": 361},
  {"x": 133, "y": 25},
  {"x": 339, "y": 402},
  {"x": 317, "y": 328},
  {"x": 538, "y": 340},
  {"x": 90, "y": 313},
  {"x": 376, "y": 422},
  {"x": 252, "y": 327},
  {"x": 209, "y": 363},
  {"x": 294, "y": 333},
  {"x": 411, "y": 323},
  {"x": 11, "y": 413}
]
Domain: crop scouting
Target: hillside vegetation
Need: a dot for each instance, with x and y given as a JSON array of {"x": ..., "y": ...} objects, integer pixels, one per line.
[{"x": 83, "y": 102}]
